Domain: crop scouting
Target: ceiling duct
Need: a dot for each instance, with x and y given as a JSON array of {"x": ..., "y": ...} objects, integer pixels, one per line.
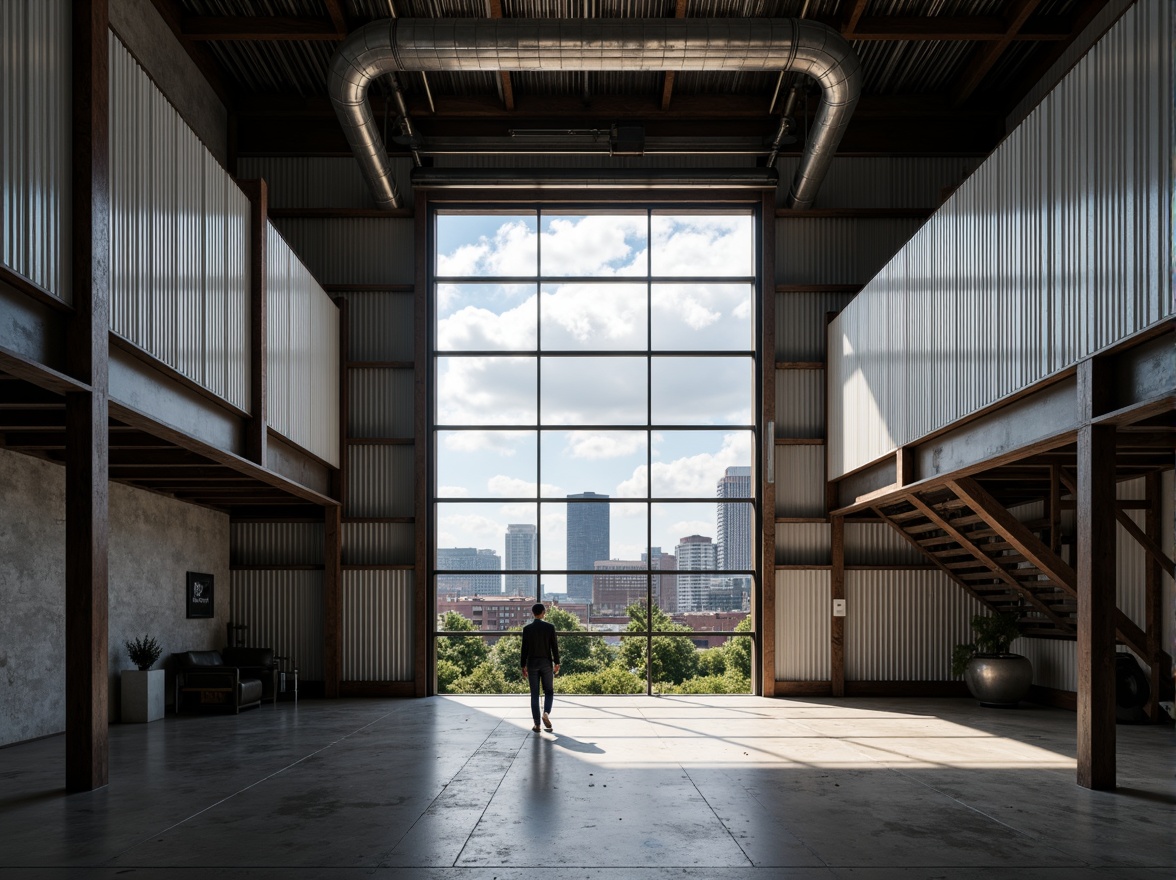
[{"x": 462, "y": 45}]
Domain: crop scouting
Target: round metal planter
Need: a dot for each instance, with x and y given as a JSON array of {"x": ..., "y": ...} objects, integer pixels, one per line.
[{"x": 999, "y": 679}]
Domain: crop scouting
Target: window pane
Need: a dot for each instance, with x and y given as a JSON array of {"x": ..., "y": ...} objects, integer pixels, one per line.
[
  {"x": 702, "y": 245},
  {"x": 593, "y": 391},
  {"x": 700, "y": 464},
  {"x": 702, "y": 391},
  {"x": 615, "y": 459},
  {"x": 586, "y": 317},
  {"x": 594, "y": 245},
  {"x": 589, "y": 529},
  {"x": 486, "y": 391},
  {"x": 485, "y": 464},
  {"x": 487, "y": 245},
  {"x": 703, "y": 317},
  {"x": 701, "y": 664},
  {"x": 486, "y": 317},
  {"x": 476, "y": 538}
]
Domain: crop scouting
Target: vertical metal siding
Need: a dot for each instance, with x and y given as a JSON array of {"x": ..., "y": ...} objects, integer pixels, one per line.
[
  {"x": 1058, "y": 246},
  {"x": 380, "y": 403},
  {"x": 803, "y": 625},
  {"x": 1055, "y": 661},
  {"x": 378, "y": 626},
  {"x": 800, "y": 481},
  {"x": 379, "y": 326},
  {"x": 803, "y": 544},
  {"x": 303, "y": 355},
  {"x": 801, "y": 328},
  {"x": 276, "y": 543},
  {"x": 1131, "y": 560},
  {"x": 878, "y": 544},
  {"x": 354, "y": 251},
  {"x": 800, "y": 403},
  {"x": 35, "y": 142},
  {"x": 1167, "y": 541},
  {"x": 380, "y": 481},
  {"x": 179, "y": 240},
  {"x": 902, "y": 625},
  {"x": 883, "y": 182},
  {"x": 319, "y": 182},
  {"x": 378, "y": 543},
  {"x": 837, "y": 251},
  {"x": 283, "y": 610}
]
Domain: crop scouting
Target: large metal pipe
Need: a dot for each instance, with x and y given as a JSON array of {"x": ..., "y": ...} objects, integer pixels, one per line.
[{"x": 459, "y": 45}]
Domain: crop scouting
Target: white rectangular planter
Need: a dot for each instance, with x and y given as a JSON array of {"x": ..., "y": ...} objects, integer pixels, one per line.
[{"x": 142, "y": 695}]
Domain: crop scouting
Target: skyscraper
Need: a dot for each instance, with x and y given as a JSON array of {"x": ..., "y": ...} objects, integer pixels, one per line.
[
  {"x": 588, "y": 542},
  {"x": 468, "y": 559},
  {"x": 696, "y": 553},
  {"x": 734, "y": 521},
  {"x": 521, "y": 553}
]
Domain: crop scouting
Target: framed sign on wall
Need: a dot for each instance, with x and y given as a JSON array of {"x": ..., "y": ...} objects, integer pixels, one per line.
[{"x": 199, "y": 594}]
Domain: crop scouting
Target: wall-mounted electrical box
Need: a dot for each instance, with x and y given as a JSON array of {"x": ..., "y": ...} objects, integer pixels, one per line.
[{"x": 839, "y": 608}]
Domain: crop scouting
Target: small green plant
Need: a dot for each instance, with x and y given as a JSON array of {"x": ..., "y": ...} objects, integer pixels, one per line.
[
  {"x": 143, "y": 652},
  {"x": 994, "y": 633}
]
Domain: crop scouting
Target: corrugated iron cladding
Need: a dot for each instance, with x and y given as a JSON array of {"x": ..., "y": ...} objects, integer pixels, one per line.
[
  {"x": 1055, "y": 661},
  {"x": 355, "y": 251},
  {"x": 885, "y": 182},
  {"x": 902, "y": 625},
  {"x": 1058, "y": 246},
  {"x": 303, "y": 355},
  {"x": 837, "y": 251},
  {"x": 315, "y": 182},
  {"x": 800, "y": 403},
  {"x": 35, "y": 211},
  {"x": 380, "y": 403},
  {"x": 800, "y": 481},
  {"x": 802, "y": 325},
  {"x": 377, "y": 626},
  {"x": 283, "y": 610},
  {"x": 276, "y": 543},
  {"x": 179, "y": 239},
  {"x": 803, "y": 617},
  {"x": 380, "y": 481},
  {"x": 878, "y": 544},
  {"x": 378, "y": 543},
  {"x": 380, "y": 326},
  {"x": 803, "y": 544}
]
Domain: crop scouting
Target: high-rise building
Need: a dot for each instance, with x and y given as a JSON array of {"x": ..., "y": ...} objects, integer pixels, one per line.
[
  {"x": 665, "y": 586},
  {"x": 588, "y": 542},
  {"x": 696, "y": 553},
  {"x": 468, "y": 560},
  {"x": 521, "y": 553},
  {"x": 734, "y": 521}
]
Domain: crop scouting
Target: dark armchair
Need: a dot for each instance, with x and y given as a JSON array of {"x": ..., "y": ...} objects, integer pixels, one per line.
[{"x": 237, "y": 678}]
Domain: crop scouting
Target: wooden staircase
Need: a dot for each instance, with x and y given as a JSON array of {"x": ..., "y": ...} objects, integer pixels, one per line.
[{"x": 982, "y": 559}]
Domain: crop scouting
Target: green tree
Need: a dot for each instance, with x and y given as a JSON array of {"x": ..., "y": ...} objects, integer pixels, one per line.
[
  {"x": 737, "y": 651},
  {"x": 577, "y": 653},
  {"x": 674, "y": 659},
  {"x": 464, "y": 652},
  {"x": 487, "y": 679}
]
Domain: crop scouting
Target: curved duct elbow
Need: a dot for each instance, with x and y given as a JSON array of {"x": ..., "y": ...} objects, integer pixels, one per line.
[{"x": 462, "y": 45}]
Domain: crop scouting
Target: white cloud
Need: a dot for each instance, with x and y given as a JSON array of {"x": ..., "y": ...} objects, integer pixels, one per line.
[
  {"x": 510, "y": 487},
  {"x": 469, "y": 530},
  {"x": 702, "y": 245},
  {"x": 504, "y": 443},
  {"x": 684, "y": 528},
  {"x": 473, "y": 328},
  {"x": 691, "y": 476},
  {"x": 452, "y": 492},
  {"x": 481, "y": 391},
  {"x": 510, "y": 251},
  {"x": 597, "y": 445},
  {"x": 595, "y": 245},
  {"x": 577, "y": 316}
]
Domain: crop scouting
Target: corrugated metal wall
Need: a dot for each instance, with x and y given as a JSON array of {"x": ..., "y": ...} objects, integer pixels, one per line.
[
  {"x": 380, "y": 326},
  {"x": 179, "y": 240},
  {"x": 800, "y": 480},
  {"x": 35, "y": 132},
  {"x": 803, "y": 625},
  {"x": 319, "y": 182},
  {"x": 837, "y": 251},
  {"x": 374, "y": 543},
  {"x": 878, "y": 544},
  {"x": 380, "y": 403},
  {"x": 902, "y": 625},
  {"x": 284, "y": 611},
  {"x": 377, "y": 626},
  {"x": 303, "y": 355},
  {"x": 380, "y": 481},
  {"x": 1055, "y": 661},
  {"x": 800, "y": 403},
  {"x": 276, "y": 543},
  {"x": 353, "y": 251},
  {"x": 1056, "y": 247},
  {"x": 882, "y": 182},
  {"x": 803, "y": 544},
  {"x": 801, "y": 325},
  {"x": 1168, "y": 541}
]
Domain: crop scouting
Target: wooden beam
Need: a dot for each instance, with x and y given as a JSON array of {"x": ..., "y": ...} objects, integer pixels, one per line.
[
  {"x": 1153, "y": 604},
  {"x": 853, "y": 16},
  {"x": 766, "y": 609},
  {"x": 837, "y": 624},
  {"x": 173, "y": 14},
  {"x": 1096, "y": 607},
  {"x": 668, "y": 81},
  {"x": 494, "y": 7},
  {"x": 256, "y": 431},
  {"x": 332, "y": 600},
  {"x": 87, "y": 681},
  {"x": 338, "y": 16},
  {"x": 987, "y": 55}
]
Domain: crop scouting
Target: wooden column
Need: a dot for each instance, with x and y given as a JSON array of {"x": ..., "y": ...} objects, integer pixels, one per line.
[
  {"x": 1154, "y": 602},
  {"x": 1096, "y": 537},
  {"x": 257, "y": 431},
  {"x": 765, "y": 616},
  {"x": 837, "y": 625},
  {"x": 87, "y": 445},
  {"x": 332, "y": 600}
]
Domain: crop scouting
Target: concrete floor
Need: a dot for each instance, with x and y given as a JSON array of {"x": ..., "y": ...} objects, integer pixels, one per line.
[{"x": 627, "y": 787}]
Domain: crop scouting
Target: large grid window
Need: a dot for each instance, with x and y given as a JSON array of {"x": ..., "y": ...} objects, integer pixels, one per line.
[{"x": 595, "y": 408}]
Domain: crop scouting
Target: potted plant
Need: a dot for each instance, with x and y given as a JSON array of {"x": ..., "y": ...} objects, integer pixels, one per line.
[
  {"x": 994, "y": 676},
  {"x": 143, "y": 688}
]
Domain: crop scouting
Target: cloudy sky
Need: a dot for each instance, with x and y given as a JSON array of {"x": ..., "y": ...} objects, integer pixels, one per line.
[{"x": 493, "y": 300}]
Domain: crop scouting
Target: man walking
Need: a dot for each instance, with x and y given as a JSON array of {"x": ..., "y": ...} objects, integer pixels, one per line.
[{"x": 540, "y": 662}]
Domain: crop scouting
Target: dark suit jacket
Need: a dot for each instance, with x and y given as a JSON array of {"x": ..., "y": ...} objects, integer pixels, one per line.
[{"x": 539, "y": 641}]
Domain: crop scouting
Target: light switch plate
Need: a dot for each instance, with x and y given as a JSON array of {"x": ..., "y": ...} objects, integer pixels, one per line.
[{"x": 839, "y": 608}]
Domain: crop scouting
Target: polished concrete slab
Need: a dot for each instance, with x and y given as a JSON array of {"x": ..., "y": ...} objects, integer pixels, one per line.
[{"x": 648, "y": 788}]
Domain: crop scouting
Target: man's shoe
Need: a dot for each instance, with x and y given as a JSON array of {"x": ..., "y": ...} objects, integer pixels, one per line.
[
  {"x": 535, "y": 728},
  {"x": 546, "y": 722}
]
